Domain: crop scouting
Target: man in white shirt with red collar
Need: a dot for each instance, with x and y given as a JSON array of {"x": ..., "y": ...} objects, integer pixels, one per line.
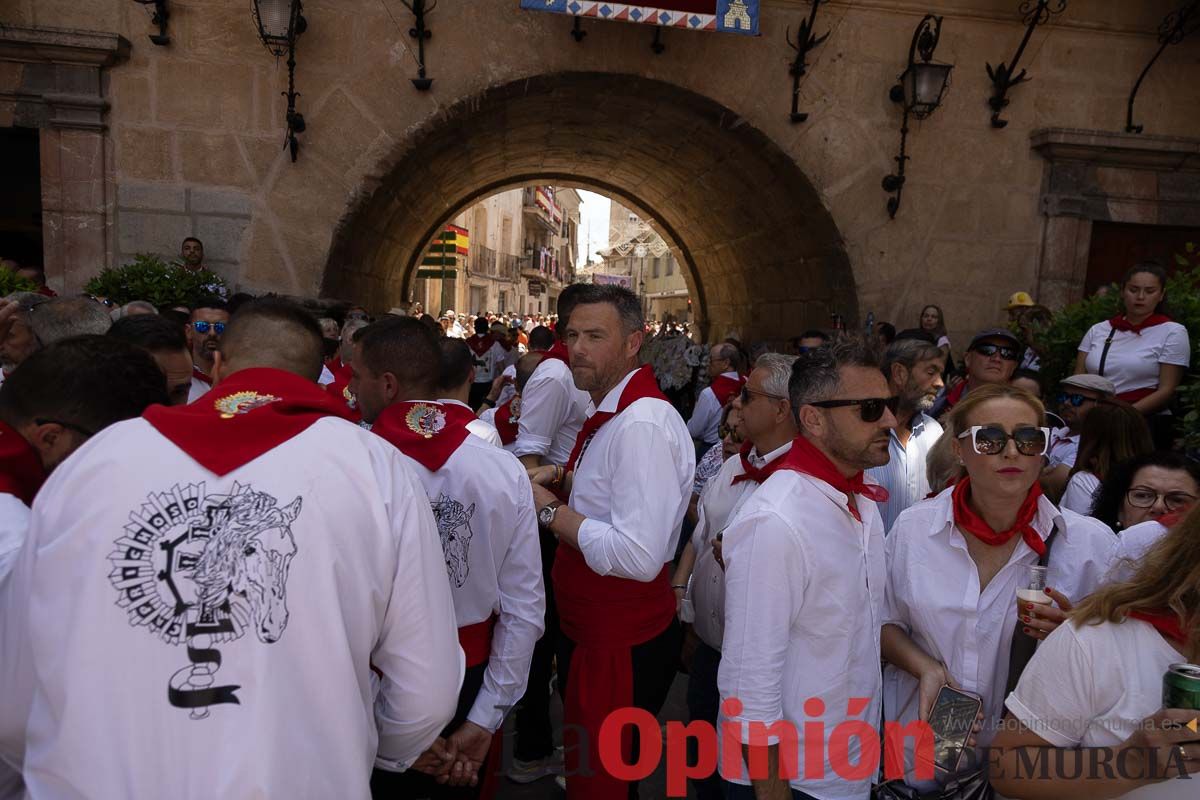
[
  {"x": 454, "y": 386},
  {"x": 804, "y": 588},
  {"x": 226, "y": 575},
  {"x": 629, "y": 480},
  {"x": 768, "y": 428},
  {"x": 205, "y": 328},
  {"x": 485, "y": 515},
  {"x": 725, "y": 365}
]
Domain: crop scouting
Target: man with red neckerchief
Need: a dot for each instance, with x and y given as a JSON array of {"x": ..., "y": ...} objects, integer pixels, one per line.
[
  {"x": 628, "y": 480},
  {"x": 229, "y": 573},
  {"x": 804, "y": 583},
  {"x": 485, "y": 515},
  {"x": 725, "y": 365},
  {"x": 205, "y": 328}
]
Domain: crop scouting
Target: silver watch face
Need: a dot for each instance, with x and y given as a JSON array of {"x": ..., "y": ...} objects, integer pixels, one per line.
[{"x": 546, "y": 516}]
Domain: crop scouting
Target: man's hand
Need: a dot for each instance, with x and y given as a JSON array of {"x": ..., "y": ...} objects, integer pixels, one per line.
[
  {"x": 1165, "y": 742},
  {"x": 1041, "y": 619},
  {"x": 472, "y": 743},
  {"x": 543, "y": 475},
  {"x": 437, "y": 760},
  {"x": 497, "y": 388}
]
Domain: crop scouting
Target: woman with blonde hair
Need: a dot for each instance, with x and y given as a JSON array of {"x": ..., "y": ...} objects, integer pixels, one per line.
[
  {"x": 1093, "y": 693},
  {"x": 956, "y": 561}
]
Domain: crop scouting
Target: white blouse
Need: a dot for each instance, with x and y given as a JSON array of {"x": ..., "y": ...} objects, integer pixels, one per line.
[
  {"x": 1133, "y": 358},
  {"x": 1080, "y": 491}
]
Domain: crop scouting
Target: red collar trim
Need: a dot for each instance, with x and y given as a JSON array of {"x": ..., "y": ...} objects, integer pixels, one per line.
[
  {"x": 200, "y": 376},
  {"x": 804, "y": 457},
  {"x": 21, "y": 471},
  {"x": 1165, "y": 621},
  {"x": 1120, "y": 323},
  {"x": 426, "y": 432}
]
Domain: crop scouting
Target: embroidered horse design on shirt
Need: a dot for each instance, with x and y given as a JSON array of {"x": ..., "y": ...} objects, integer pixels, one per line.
[{"x": 454, "y": 526}]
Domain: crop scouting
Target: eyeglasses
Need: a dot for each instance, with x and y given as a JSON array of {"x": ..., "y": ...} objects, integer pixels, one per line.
[
  {"x": 68, "y": 425},
  {"x": 989, "y": 350},
  {"x": 990, "y": 440},
  {"x": 201, "y": 327},
  {"x": 1075, "y": 400},
  {"x": 1145, "y": 497},
  {"x": 871, "y": 410},
  {"x": 747, "y": 391}
]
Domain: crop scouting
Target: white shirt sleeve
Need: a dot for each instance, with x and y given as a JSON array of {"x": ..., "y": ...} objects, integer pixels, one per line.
[
  {"x": 895, "y": 607},
  {"x": 1078, "y": 495},
  {"x": 644, "y": 505},
  {"x": 1176, "y": 349},
  {"x": 765, "y": 577},
  {"x": 545, "y": 404},
  {"x": 707, "y": 408},
  {"x": 418, "y": 654},
  {"x": 521, "y": 622},
  {"x": 16, "y": 663},
  {"x": 14, "y": 524},
  {"x": 1063, "y": 689},
  {"x": 485, "y": 430},
  {"x": 1088, "y": 341}
]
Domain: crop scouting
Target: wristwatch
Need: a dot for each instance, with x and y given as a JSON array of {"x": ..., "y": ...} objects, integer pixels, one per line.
[{"x": 546, "y": 513}]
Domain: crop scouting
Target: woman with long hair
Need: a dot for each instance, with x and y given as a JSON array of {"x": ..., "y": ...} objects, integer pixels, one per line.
[
  {"x": 1113, "y": 432},
  {"x": 1090, "y": 703},
  {"x": 933, "y": 322},
  {"x": 956, "y": 561}
]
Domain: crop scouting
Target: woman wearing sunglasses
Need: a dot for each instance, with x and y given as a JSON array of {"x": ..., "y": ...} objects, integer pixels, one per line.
[
  {"x": 956, "y": 561},
  {"x": 1090, "y": 704},
  {"x": 1112, "y": 433}
]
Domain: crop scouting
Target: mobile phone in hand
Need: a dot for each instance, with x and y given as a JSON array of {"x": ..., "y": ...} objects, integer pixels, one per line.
[{"x": 952, "y": 718}]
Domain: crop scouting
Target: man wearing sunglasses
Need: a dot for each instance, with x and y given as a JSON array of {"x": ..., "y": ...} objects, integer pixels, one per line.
[
  {"x": 1077, "y": 396},
  {"x": 992, "y": 357},
  {"x": 205, "y": 328}
]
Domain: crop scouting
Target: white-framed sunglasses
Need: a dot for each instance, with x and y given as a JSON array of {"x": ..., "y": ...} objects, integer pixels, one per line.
[{"x": 990, "y": 440}]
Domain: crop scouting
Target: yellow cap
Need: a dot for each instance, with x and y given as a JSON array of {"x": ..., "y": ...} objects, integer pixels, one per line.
[{"x": 1020, "y": 300}]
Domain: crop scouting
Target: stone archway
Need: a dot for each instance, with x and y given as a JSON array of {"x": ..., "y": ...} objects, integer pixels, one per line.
[{"x": 764, "y": 255}]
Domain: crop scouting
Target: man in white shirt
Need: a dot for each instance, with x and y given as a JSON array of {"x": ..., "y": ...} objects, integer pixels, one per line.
[
  {"x": 339, "y": 368},
  {"x": 205, "y": 328},
  {"x": 804, "y": 590},
  {"x": 227, "y": 575},
  {"x": 725, "y": 364},
  {"x": 629, "y": 480},
  {"x": 1078, "y": 396},
  {"x": 768, "y": 428},
  {"x": 913, "y": 370},
  {"x": 166, "y": 344},
  {"x": 454, "y": 385},
  {"x": 484, "y": 510}
]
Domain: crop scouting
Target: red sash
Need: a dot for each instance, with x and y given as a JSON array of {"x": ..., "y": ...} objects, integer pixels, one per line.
[
  {"x": 506, "y": 423},
  {"x": 21, "y": 471},
  {"x": 725, "y": 388},
  {"x": 1120, "y": 323},
  {"x": 426, "y": 432},
  {"x": 200, "y": 376},
  {"x": 605, "y": 616},
  {"x": 1134, "y": 395},
  {"x": 476, "y": 641},
  {"x": 966, "y": 519},
  {"x": 1165, "y": 621},
  {"x": 480, "y": 344},
  {"x": 804, "y": 457},
  {"x": 246, "y": 415}
]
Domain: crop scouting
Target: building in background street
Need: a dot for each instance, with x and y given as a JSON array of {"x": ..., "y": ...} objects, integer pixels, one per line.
[{"x": 638, "y": 258}]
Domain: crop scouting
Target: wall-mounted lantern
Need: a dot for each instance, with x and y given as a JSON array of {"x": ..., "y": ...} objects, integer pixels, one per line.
[{"x": 280, "y": 22}]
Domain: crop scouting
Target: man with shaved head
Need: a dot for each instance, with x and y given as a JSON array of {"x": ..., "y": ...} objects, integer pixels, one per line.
[{"x": 250, "y": 574}]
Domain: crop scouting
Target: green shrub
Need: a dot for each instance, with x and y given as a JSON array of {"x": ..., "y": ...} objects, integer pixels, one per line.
[
  {"x": 156, "y": 281},
  {"x": 12, "y": 282}
]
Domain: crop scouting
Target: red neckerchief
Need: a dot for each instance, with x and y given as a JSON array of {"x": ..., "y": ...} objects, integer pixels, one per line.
[
  {"x": 21, "y": 471},
  {"x": 1165, "y": 621},
  {"x": 972, "y": 523},
  {"x": 340, "y": 388},
  {"x": 804, "y": 457},
  {"x": 725, "y": 387},
  {"x": 751, "y": 472},
  {"x": 558, "y": 352},
  {"x": 426, "y": 432},
  {"x": 480, "y": 344},
  {"x": 1171, "y": 519},
  {"x": 200, "y": 376},
  {"x": 244, "y": 416},
  {"x": 1120, "y": 323},
  {"x": 341, "y": 372},
  {"x": 606, "y": 617},
  {"x": 506, "y": 423},
  {"x": 955, "y": 394}
]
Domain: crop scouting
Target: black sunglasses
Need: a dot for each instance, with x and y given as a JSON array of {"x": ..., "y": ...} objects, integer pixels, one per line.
[
  {"x": 1075, "y": 400},
  {"x": 747, "y": 391},
  {"x": 990, "y": 440},
  {"x": 871, "y": 409},
  {"x": 201, "y": 327},
  {"x": 989, "y": 350}
]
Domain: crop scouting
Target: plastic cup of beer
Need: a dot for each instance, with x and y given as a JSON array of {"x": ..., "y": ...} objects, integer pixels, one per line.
[{"x": 1033, "y": 587}]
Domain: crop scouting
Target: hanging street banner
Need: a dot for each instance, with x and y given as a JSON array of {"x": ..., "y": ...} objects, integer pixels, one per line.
[{"x": 722, "y": 16}]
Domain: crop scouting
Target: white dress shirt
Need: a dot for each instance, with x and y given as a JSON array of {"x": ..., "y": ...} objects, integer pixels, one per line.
[
  {"x": 483, "y": 505},
  {"x": 14, "y": 523},
  {"x": 1063, "y": 448},
  {"x": 1133, "y": 358},
  {"x": 482, "y": 428},
  {"x": 905, "y": 476},
  {"x": 804, "y": 595},
  {"x": 933, "y": 594},
  {"x": 719, "y": 503},
  {"x": 197, "y": 389},
  {"x": 552, "y": 412},
  {"x": 1079, "y": 495},
  {"x": 327, "y": 562},
  {"x": 326, "y": 376},
  {"x": 706, "y": 417},
  {"x": 1135, "y": 542},
  {"x": 634, "y": 484}
]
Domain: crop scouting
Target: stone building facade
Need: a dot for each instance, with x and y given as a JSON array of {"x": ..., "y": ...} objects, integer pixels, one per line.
[{"x": 778, "y": 223}]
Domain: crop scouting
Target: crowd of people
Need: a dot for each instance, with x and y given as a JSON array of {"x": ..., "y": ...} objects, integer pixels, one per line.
[{"x": 477, "y": 512}]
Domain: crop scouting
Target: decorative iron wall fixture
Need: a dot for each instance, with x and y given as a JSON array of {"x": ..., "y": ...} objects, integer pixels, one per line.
[
  {"x": 280, "y": 23},
  {"x": 159, "y": 17},
  {"x": 421, "y": 33},
  {"x": 805, "y": 40},
  {"x": 1035, "y": 13},
  {"x": 1176, "y": 26}
]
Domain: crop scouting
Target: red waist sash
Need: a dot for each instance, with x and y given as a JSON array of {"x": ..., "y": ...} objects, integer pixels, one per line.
[
  {"x": 605, "y": 616},
  {"x": 1134, "y": 395},
  {"x": 476, "y": 641}
]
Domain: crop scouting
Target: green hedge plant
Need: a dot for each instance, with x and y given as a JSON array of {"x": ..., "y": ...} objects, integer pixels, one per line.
[
  {"x": 162, "y": 283},
  {"x": 12, "y": 282}
]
